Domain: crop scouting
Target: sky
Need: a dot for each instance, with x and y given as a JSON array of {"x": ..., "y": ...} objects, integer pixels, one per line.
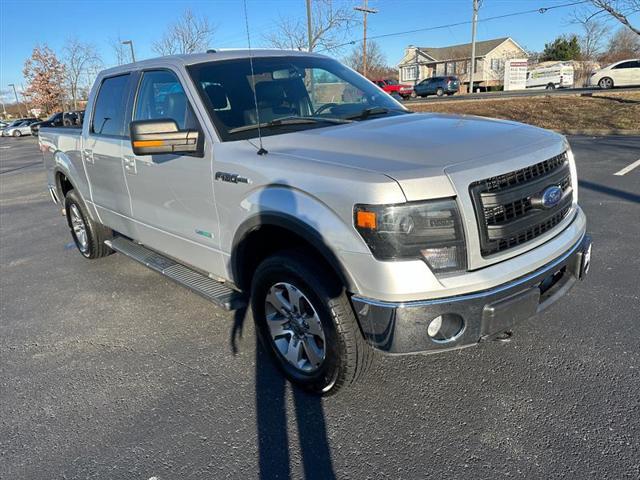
[{"x": 26, "y": 23}]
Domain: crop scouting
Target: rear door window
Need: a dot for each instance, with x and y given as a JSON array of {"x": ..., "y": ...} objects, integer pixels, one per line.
[
  {"x": 110, "y": 107},
  {"x": 161, "y": 96}
]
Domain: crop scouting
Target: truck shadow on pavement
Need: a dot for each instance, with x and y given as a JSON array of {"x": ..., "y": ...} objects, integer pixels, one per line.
[
  {"x": 272, "y": 415},
  {"x": 272, "y": 418},
  {"x": 613, "y": 192}
]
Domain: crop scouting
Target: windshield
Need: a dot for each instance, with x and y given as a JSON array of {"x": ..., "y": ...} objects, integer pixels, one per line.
[{"x": 320, "y": 90}]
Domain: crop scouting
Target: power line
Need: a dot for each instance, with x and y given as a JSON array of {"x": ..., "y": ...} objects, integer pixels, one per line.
[{"x": 540, "y": 10}]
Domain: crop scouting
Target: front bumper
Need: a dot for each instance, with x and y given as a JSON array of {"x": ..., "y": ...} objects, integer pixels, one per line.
[{"x": 402, "y": 327}]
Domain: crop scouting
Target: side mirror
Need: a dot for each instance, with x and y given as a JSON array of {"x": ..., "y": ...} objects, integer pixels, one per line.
[{"x": 150, "y": 137}]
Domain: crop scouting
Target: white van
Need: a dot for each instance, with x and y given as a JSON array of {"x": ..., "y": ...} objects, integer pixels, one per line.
[{"x": 559, "y": 75}]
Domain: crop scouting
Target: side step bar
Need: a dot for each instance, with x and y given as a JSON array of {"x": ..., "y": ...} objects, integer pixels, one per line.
[{"x": 210, "y": 289}]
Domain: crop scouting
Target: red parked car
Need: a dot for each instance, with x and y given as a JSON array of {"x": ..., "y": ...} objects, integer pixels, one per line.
[{"x": 391, "y": 86}]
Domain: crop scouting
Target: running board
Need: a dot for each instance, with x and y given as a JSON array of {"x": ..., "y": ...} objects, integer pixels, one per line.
[{"x": 210, "y": 289}]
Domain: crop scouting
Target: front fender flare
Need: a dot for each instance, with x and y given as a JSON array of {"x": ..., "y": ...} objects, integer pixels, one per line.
[{"x": 296, "y": 226}]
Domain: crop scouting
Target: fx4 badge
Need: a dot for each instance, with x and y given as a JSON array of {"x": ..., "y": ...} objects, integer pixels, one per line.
[{"x": 231, "y": 178}]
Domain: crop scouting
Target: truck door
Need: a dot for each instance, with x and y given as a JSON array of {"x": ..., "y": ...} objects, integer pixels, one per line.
[
  {"x": 172, "y": 194},
  {"x": 102, "y": 153}
]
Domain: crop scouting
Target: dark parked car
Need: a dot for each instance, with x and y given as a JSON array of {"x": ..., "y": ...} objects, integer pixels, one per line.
[
  {"x": 60, "y": 119},
  {"x": 437, "y": 86}
]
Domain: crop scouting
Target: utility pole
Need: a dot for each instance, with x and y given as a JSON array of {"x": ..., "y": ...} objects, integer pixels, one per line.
[
  {"x": 309, "y": 30},
  {"x": 365, "y": 11},
  {"x": 130, "y": 43},
  {"x": 16, "y": 95},
  {"x": 474, "y": 23}
]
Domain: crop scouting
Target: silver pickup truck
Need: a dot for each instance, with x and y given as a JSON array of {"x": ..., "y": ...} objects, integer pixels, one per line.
[{"x": 350, "y": 224}]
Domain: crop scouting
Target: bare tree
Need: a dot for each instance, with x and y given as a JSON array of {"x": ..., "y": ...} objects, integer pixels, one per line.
[
  {"x": 120, "y": 51},
  {"x": 188, "y": 34},
  {"x": 329, "y": 27},
  {"x": 80, "y": 59},
  {"x": 377, "y": 66},
  {"x": 621, "y": 10},
  {"x": 624, "y": 44},
  {"x": 594, "y": 33}
]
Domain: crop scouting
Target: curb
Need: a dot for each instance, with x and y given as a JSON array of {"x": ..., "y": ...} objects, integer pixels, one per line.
[{"x": 594, "y": 132}]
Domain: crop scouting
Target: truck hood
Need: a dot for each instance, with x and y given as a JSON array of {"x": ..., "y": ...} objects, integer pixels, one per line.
[{"x": 416, "y": 149}]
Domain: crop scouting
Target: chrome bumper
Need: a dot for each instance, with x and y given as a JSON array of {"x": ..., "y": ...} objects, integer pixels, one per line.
[{"x": 397, "y": 327}]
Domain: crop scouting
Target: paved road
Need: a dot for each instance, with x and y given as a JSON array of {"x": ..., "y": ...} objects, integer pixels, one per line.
[
  {"x": 109, "y": 371},
  {"x": 518, "y": 93}
]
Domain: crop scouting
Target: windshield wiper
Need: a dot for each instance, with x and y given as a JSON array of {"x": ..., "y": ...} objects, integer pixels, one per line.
[
  {"x": 367, "y": 112},
  {"x": 292, "y": 120}
]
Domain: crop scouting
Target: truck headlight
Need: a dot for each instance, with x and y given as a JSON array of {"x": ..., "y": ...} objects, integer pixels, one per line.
[{"x": 430, "y": 231}]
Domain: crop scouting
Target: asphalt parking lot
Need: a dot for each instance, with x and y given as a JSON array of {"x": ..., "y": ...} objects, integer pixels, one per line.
[{"x": 110, "y": 371}]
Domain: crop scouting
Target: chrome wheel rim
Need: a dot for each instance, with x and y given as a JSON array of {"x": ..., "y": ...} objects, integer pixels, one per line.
[
  {"x": 79, "y": 228},
  {"x": 295, "y": 327},
  {"x": 606, "y": 82}
]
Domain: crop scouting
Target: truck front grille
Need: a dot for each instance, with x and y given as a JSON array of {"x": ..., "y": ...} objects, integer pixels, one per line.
[{"x": 506, "y": 206}]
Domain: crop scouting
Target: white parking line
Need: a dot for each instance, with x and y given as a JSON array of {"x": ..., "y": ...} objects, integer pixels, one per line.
[{"x": 628, "y": 168}]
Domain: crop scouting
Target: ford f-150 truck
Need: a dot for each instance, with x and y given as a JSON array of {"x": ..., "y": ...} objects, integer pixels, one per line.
[{"x": 288, "y": 181}]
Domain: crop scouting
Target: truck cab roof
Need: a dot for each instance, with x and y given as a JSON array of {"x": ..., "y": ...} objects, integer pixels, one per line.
[{"x": 211, "y": 56}]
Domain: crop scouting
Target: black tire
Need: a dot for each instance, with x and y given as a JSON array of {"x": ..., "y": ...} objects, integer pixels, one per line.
[
  {"x": 17, "y": 133},
  {"x": 96, "y": 233},
  {"x": 439, "y": 92},
  {"x": 550, "y": 86},
  {"x": 606, "y": 83},
  {"x": 347, "y": 355}
]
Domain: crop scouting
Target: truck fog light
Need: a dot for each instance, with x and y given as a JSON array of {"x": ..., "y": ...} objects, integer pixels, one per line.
[{"x": 445, "y": 327}]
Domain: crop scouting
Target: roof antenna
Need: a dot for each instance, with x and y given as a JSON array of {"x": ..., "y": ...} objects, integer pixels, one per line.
[{"x": 261, "y": 150}]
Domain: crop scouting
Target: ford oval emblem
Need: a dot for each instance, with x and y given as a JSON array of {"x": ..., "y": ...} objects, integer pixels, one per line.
[{"x": 551, "y": 196}]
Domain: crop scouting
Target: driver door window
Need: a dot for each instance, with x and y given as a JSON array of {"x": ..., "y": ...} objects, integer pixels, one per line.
[{"x": 161, "y": 96}]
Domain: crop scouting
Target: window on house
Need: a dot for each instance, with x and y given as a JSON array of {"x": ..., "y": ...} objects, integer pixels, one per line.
[
  {"x": 497, "y": 64},
  {"x": 410, "y": 73}
]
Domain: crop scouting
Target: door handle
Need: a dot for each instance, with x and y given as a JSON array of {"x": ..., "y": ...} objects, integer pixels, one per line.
[
  {"x": 129, "y": 163},
  {"x": 88, "y": 155}
]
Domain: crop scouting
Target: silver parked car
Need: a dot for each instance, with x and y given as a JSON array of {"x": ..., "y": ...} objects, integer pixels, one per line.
[
  {"x": 19, "y": 128},
  {"x": 288, "y": 181}
]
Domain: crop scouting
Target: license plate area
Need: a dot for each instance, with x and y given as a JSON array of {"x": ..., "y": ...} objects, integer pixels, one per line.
[{"x": 503, "y": 314}]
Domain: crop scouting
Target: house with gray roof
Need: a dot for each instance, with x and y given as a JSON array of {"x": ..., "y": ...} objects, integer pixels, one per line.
[{"x": 419, "y": 63}]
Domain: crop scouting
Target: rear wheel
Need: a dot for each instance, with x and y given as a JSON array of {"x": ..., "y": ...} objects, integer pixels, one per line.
[
  {"x": 305, "y": 320},
  {"x": 89, "y": 236},
  {"x": 605, "y": 83},
  {"x": 550, "y": 86},
  {"x": 17, "y": 133}
]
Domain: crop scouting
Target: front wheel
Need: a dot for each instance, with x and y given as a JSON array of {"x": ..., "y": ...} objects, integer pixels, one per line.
[
  {"x": 305, "y": 320},
  {"x": 605, "y": 83},
  {"x": 439, "y": 92},
  {"x": 17, "y": 133},
  {"x": 550, "y": 86}
]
